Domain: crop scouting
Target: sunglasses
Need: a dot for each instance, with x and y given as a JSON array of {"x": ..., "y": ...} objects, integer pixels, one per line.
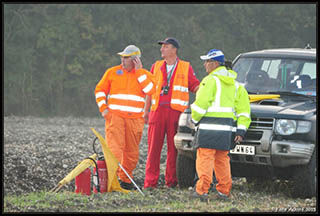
[{"x": 210, "y": 60}]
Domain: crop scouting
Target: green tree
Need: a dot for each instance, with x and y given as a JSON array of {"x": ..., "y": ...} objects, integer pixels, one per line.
[{"x": 54, "y": 54}]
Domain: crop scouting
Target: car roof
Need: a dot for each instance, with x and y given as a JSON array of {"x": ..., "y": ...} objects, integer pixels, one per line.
[{"x": 283, "y": 53}]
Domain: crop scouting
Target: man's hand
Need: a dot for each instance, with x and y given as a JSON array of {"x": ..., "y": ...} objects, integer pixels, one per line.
[
  {"x": 137, "y": 63},
  {"x": 238, "y": 139},
  {"x": 147, "y": 109},
  {"x": 104, "y": 113},
  {"x": 196, "y": 89},
  {"x": 146, "y": 117}
]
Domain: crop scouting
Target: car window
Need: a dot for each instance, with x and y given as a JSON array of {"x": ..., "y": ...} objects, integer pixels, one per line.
[
  {"x": 271, "y": 67},
  {"x": 309, "y": 69},
  {"x": 262, "y": 75}
]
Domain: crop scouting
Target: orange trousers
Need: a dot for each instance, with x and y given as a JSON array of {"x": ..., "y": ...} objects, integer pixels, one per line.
[
  {"x": 209, "y": 160},
  {"x": 123, "y": 136}
]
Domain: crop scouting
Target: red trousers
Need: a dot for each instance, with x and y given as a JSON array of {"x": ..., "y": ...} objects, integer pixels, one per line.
[
  {"x": 163, "y": 121},
  {"x": 209, "y": 160}
]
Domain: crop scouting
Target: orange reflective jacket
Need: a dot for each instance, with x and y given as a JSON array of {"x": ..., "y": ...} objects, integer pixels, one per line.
[
  {"x": 180, "y": 92},
  {"x": 126, "y": 91}
]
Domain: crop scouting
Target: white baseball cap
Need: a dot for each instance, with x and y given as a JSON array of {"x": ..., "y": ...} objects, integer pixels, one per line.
[
  {"x": 131, "y": 50},
  {"x": 214, "y": 54}
]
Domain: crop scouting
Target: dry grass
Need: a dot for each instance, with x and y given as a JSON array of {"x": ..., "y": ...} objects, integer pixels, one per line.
[{"x": 244, "y": 198}]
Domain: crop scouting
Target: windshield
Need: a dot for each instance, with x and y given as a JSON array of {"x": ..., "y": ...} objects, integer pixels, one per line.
[{"x": 263, "y": 75}]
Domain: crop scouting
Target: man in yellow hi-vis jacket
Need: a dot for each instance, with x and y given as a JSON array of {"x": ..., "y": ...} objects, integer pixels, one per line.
[{"x": 222, "y": 112}]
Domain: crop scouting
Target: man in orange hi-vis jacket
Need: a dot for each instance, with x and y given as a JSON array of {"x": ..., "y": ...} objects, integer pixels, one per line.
[
  {"x": 174, "y": 79},
  {"x": 120, "y": 96}
]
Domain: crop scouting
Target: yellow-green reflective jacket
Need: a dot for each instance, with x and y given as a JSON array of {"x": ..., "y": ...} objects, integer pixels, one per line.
[{"x": 221, "y": 107}]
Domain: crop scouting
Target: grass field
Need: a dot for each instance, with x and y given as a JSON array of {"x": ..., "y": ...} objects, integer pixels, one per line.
[{"x": 244, "y": 198}]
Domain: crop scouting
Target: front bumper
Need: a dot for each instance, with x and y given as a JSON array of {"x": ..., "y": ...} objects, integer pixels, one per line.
[
  {"x": 281, "y": 154},
  {"x": 276, "y": 154},
  {"x": 183, "y": 144},
  {"x": 288, "y": 153}
]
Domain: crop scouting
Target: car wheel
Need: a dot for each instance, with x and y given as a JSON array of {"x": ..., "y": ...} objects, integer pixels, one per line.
[
  {"x": 186, "y": 170},
  {"x": 305, "y": 179}
]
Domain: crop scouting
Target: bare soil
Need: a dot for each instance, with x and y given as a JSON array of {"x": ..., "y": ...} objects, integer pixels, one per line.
[{"x": 39, "y": 152}]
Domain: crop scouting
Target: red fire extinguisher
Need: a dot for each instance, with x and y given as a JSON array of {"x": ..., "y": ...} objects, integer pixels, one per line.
[
  {"x": 82, "y": 182},
  {"x": 100, "y": 178}
]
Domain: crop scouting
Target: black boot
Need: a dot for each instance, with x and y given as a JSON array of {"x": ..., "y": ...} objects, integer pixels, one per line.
[{"x": 127, "y": 186}]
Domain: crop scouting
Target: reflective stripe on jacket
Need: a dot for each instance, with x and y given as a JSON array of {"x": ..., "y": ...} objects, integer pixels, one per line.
[
  {"x": 123, "y": 92},
  {"x": 180, "y": 92},
  {"x": 222, "y": 108}
]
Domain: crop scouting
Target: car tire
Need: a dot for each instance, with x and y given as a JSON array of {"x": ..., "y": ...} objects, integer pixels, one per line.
[
  {"x": 186, "y": 170},
  {"x": 305, "y": 179}
]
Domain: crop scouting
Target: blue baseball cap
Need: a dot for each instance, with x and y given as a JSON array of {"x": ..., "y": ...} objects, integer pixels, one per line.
[{"x": 214, "y": 54}]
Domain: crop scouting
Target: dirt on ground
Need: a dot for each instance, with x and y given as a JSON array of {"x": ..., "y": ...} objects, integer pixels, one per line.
[{"x": 39, "y": 152}]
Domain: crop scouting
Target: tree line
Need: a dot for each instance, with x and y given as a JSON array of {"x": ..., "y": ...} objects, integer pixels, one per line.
[{"x": 54, "y": 54}]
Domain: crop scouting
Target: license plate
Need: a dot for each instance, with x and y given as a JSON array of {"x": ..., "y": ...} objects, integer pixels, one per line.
[{"x": 243, "y": 149}]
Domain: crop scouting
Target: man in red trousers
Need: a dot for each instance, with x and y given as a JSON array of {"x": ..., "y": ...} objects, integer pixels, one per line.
[{"x": 174, "y": 78}]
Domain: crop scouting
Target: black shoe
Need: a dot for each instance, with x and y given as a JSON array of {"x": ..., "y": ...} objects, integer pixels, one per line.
[
  {"x": 127, "y": 186},
  {"x": 212, "y": 188},
  {"x": 222, "y": 196},
  {"x": 172, "y": 185},
  {"x": 203, "y": 197}
]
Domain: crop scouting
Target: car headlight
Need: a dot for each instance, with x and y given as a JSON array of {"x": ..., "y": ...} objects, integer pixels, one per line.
[
  {"x": 288, "y": 127},
  {"x": 285, "y": 126},
  {"x": 183, "y": 119}
]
